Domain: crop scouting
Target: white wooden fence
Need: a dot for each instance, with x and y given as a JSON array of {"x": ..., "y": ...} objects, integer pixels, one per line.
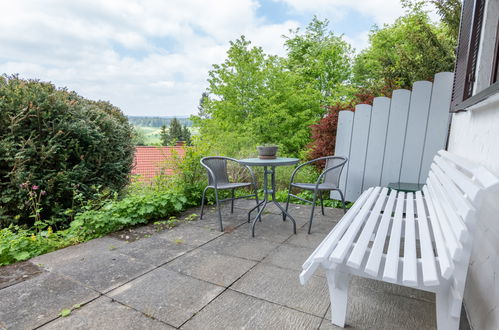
[{"x": 394, "y": 140}]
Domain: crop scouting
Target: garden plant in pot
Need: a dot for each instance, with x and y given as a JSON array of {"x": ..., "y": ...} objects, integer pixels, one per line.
[{"x": 267, "y": 151}]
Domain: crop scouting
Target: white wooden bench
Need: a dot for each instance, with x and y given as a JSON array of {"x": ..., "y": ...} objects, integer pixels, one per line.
[{"x": 421, "y": 240}]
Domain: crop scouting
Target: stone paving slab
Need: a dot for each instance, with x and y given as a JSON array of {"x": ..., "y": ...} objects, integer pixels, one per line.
[
  {"x": 281, "y": 286},
  {"x": 40, "y": 299},
  {"x": 154, "y": 250},
  {"x": 310, "y": 241},
  {"x": 167, "y": 295},
  {"x": 290, "y": 256},
  {"x": 104, "y": 314},
  {"x": 233, "y": 310},
  {"x": 242, "y": 246},
  {"x": 211, "y": 266},
  {"x": 100, "y": 269},
  {"x": 386, "y": 306},
  {"x": 93, "y": 247},
  {"x": 190, "y": 235},
  {"x": 271, "y": 228}
]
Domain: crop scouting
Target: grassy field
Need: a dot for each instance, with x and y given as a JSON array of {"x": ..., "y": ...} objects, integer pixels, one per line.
[{"x": 152, "y": 134}]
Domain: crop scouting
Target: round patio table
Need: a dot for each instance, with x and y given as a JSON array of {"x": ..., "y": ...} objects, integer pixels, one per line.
[{"x": 272, "y": 164}]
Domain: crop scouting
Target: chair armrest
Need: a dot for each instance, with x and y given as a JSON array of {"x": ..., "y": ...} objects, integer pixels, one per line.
[
  {"x": 253, "y": 179},
  {"x": 313, "y": 161}
]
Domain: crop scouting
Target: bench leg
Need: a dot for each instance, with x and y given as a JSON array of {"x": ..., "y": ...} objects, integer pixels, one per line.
[
  {"x": 445, "y": 319},
  {"x": 338, "y": 283}
]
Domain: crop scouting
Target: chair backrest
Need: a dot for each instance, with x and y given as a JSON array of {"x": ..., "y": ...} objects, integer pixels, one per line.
[
  {"x": 216, "y": 167},
  {"x": 333, "y": 176}
]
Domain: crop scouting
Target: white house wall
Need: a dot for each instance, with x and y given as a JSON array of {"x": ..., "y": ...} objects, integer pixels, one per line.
[{"x": 475, "y": 135}]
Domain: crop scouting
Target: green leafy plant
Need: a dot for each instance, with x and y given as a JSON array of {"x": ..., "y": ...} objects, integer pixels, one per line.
[{"x": 57, "y": 139}]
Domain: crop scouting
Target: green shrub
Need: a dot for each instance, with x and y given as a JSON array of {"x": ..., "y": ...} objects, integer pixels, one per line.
[
  {"x": 60, "y": 143},
  {"x": 138, "y": 208}
]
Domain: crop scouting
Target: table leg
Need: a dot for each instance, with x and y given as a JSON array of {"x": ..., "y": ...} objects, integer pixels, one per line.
[{"x": 266, "y": 199}]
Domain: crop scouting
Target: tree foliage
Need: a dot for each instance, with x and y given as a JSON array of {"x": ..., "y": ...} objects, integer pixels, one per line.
[
  {"x": 56, "y": 141},
  {"x": 175, "y": 133},
  {"x": 410, "y": 49},
  {"x": 322, "y": 58},
  {"x": 256, "y": 98}
]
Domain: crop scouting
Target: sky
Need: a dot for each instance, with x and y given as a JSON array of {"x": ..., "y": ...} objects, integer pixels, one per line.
[{"x": 152, "y": 57}]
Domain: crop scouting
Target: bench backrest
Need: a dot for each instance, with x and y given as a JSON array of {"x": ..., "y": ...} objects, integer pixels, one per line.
[{"x": 454, "y": 191}]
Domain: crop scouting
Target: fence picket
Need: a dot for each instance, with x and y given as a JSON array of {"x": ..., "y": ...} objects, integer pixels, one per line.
[
  {"x": 360, "y": 134},
  {"x": 416, "y": 131},
  {"x": 343, "y": 142},
  {"x": 396, "y": 139},
  {"x": 376, "y": 142},
  {"x": 397, "y": 121}
]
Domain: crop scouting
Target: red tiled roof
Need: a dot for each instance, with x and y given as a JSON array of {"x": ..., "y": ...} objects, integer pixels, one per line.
[{"x": 152, "y": 161}]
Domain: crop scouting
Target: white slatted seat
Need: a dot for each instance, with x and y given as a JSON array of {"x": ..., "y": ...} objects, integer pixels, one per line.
[{"x": 421, "y": 240}]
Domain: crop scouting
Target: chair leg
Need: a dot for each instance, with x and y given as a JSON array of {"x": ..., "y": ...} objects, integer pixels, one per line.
[
  {"x": 287, "y": 204},
  {"x": 202, "y": 203},
  {"x": 219, "y": 211},
  {"x": 312, "y": 213},
  {"x": 232, "y": 202},
  {"x": 322, "y": 202},
  {"x": 338, "y": 283},
  {"x": 342, "y": 201}
]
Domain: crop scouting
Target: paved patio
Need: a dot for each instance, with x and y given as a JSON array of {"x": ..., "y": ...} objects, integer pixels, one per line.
[{"x": 195, "y": 277}]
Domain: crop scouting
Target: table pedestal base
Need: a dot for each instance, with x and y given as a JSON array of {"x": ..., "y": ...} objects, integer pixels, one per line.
[{"x": 266, "y": 200}]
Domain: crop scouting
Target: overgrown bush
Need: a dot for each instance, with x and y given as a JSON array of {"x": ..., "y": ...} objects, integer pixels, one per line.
[
  {"x": 55, "y": 141},
  {"x": 324, "y": 131}
]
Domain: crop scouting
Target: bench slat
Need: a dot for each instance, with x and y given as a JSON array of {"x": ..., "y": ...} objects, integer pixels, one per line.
[
  {"x": 359, "y": 250},
  {"x": 410, "y": 269},
  {"x": 446, "y": 265},
  {"x": 461, "y": 180},
  {"x": 373, "y": 262},
  {"x": 392, "y": 257},
  {"x": 486, "y": 179},
  {"x": 461, "y": 208},
  {"x": 322, "y": 252},
  {"x": 453, "y": 244},
  {"x": 428, "y": 266},
  {"x": 340, "y": 251}
]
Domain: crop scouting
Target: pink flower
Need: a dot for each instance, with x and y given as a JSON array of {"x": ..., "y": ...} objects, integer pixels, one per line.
[
  {"x": 43, "y": 192},
  {"x": 35, "y": 187}
]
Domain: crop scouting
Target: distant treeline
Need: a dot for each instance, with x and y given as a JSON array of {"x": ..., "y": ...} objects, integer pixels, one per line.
[{"x": 157, "y": 121}]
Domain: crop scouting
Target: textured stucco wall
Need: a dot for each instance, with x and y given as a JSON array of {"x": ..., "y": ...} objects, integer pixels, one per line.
[{"x": 475, "y": 135}]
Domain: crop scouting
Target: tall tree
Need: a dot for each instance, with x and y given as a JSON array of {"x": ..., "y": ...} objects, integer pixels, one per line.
[
  {"x": 186, "y": 136},
  {"x": 322, "y": 58},
  {"x": 164, "y": 136},
  {"x": 257, "y": 99},
  {"x": 201, "y": 107},
  {"x": 175, "y": 131}
]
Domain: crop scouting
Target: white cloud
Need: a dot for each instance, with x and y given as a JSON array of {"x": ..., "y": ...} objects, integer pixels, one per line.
[{"x": 148, "y": 57}]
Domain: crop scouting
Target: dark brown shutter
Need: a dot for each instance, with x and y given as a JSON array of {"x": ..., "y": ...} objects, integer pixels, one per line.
[
  {"x": 495, "y": 63},
  {"x": 467, "y": 51}
]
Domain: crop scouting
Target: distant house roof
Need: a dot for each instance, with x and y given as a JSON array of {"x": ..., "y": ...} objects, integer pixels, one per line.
[{"x": 152, "y": 161}]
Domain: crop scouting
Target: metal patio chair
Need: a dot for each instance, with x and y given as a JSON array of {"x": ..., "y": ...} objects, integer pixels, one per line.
[
  {"x": 328, "y": 180},
  {"x": 218, "y": 179}
]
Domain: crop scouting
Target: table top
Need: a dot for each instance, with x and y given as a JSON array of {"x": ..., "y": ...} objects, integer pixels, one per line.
[
  {"x": 405, "y": 186},
  {"x": 279, "y": 161}
]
